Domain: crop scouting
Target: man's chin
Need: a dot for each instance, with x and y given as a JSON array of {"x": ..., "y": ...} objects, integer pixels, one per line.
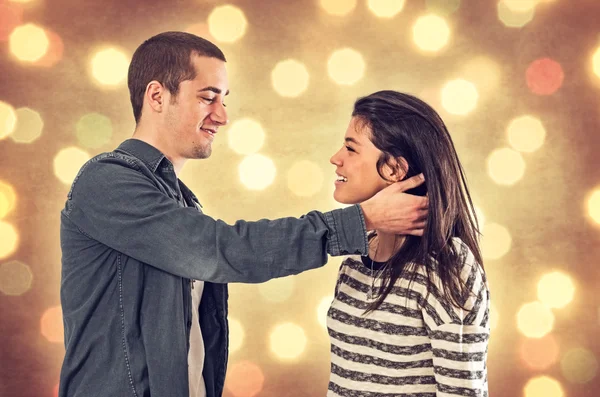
[{"x": 202, "y": 153}]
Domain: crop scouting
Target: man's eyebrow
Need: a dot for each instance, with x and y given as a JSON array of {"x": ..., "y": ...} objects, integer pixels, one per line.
[
  {"x": 352, "y": 140},
  {"x": 213, "y": 89}
]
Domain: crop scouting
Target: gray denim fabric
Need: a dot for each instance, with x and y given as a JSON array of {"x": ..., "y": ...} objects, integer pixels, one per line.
[{"x": 129, "y": 251}]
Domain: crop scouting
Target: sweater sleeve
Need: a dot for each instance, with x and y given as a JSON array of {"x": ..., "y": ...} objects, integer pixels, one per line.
[{"x": 459, "y": 338}]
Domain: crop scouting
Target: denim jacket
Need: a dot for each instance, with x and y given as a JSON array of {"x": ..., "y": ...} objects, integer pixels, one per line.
[{"x": 130, "y": 249}]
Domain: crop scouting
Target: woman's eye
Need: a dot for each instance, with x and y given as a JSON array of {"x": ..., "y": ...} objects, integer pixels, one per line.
[
  {"x": 209, "y": 100},
  {"x": 350, "y": 149}
]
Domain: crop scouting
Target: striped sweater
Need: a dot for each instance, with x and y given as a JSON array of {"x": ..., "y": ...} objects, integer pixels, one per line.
[{"x": 409, "y": 346}]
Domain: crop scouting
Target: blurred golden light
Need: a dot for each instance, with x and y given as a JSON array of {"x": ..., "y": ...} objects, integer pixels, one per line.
[
  {"x": 55, "y": 51},
  {"x": 596, "y": 62},
  {"x": 289, "y": 78},
  {"x": 346, "y": 66},
  {"x": 459, "y": 97},
  {"x": 15, "y": 278},
  {"x": 29, "y": 126},
  {"x": 8, "y": 198},
  {"x": 483, "y": 72},
  {"x": 8, "y": 119},
  {"x": 495, "y": 242},
  {"x": 236, "y": 334},
  {"x": 278, "y": 289},
  {"x": 109, "y": 66},
  {"x": 593, "y": 205},
  {"x": 257, "y": 171},
  {"x": 513, "y": 19},
  {"x": 579, "y": 366},
  {"x": 245, "y": 379},
  {"x": 539, "y": 354},
  {"x": 67, "y": 163},
  {"x": 526, "y": 133},
  {"x": 287, "y": 341},
  {"x": 520, "y": 5},
  {"x": 338, "y": 7},
  {"x": 323, "y": 308},
  {"x": 535, "y": 320},
  {"x": 305, "y": 178},
  {"x": 9, "y": 241},
  {"x": 494, "y": 317},
  {"x": 505, "y": 166},
  {"x": 28, "y": 42},
  {"x": 431, "y": 33},
  {"x": 385, "y": 8},
  {"x": 556, "y": 289},
  {"x": 246, "y": 136},
  {"x": 544, "y": 76},
  {"x": 94, "y": 130},
  {"x": 442, "y": 7},
  {"x": 543, "y": 386},
  {"x": 22, "y": 1},
  {"x": 52, "y": 325},
  {"x": 227, "y": 23}
]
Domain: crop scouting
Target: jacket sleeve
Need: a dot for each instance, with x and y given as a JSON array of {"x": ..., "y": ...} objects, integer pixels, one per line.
[{"x": 115, "y": 204}]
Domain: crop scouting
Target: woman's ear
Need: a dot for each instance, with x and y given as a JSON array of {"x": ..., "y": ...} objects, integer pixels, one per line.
[{"x": 395, "y": 169}]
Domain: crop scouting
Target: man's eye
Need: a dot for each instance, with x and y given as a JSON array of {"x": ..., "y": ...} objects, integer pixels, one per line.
[
  {"x": 209, "y": 100},
  {"x": 350, "y": 149}
]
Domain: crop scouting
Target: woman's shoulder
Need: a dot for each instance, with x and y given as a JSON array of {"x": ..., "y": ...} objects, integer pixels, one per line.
[
  {"x": 471, "y": 272},
  {"x": 470, "y": 267}
]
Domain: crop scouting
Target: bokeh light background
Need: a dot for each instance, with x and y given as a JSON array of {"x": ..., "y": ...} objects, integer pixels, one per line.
[{"x": 517, "y": 81}]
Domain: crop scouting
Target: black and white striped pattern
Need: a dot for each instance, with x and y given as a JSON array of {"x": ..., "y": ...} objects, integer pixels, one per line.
[{"x": 413, "y": 344}]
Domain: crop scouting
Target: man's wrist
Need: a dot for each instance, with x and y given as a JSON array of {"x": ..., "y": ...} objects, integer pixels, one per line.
[{"x": 368, "y": 214}]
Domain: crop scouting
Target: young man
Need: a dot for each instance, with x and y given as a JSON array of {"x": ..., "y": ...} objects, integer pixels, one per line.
[{"x": 134, "y": 239}]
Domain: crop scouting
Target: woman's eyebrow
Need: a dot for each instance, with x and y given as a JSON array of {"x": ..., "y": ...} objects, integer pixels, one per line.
[{"x": 352, "y": 140}]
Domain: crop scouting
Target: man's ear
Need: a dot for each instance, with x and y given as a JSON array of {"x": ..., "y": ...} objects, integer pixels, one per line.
[
  {"x": 395, "y": 169},
  {"x": 155, "y": 96}
]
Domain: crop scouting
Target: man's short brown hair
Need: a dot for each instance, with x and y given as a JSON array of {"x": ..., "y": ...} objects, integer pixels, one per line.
[{"x": 166, "y": 58}]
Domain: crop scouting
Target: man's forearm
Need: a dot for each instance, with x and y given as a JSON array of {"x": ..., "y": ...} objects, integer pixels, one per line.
[{"x": 349, "y": 231}]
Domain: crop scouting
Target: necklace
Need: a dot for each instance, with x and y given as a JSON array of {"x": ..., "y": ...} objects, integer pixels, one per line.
[{"x": 371, "y": 291}]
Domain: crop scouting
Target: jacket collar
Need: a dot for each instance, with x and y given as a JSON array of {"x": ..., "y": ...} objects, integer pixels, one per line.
[
  {"x": 147, "y": 153},
  {"x": 152, "y": 157}
]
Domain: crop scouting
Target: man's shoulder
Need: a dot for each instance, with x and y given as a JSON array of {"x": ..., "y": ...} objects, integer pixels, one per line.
[
  {"x": 116, "y": 160},
  {"x": 105, "y": 168}
]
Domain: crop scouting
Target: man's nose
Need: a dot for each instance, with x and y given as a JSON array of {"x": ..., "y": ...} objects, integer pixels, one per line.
[{"x": 219, "y": 115}]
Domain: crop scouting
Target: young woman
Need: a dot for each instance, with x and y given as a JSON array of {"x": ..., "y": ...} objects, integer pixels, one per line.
[{"x": 411, "y": 318}]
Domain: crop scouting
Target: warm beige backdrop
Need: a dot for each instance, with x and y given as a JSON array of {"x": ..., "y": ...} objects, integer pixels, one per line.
[{"x": 518, "y": 84}]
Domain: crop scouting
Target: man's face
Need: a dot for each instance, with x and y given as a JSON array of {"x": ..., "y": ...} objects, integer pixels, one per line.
[{"x": 196, "y": 113}]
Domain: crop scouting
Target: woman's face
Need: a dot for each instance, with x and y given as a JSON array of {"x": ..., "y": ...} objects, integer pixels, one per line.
[{"x": 356, "y": 166}]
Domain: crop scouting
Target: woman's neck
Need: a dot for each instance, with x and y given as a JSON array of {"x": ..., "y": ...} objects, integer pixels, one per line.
[{"x": 384, "y": 246}]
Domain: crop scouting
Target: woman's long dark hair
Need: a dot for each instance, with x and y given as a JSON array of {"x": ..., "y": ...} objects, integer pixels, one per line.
[{"x": 402, "y": 125}]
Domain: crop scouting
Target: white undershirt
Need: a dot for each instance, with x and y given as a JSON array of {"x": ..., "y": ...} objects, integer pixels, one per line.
[{"x": 196, "y": 353}]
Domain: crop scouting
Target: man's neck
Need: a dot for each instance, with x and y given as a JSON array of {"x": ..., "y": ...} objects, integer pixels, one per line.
[{"x": 152, "y": 139}]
